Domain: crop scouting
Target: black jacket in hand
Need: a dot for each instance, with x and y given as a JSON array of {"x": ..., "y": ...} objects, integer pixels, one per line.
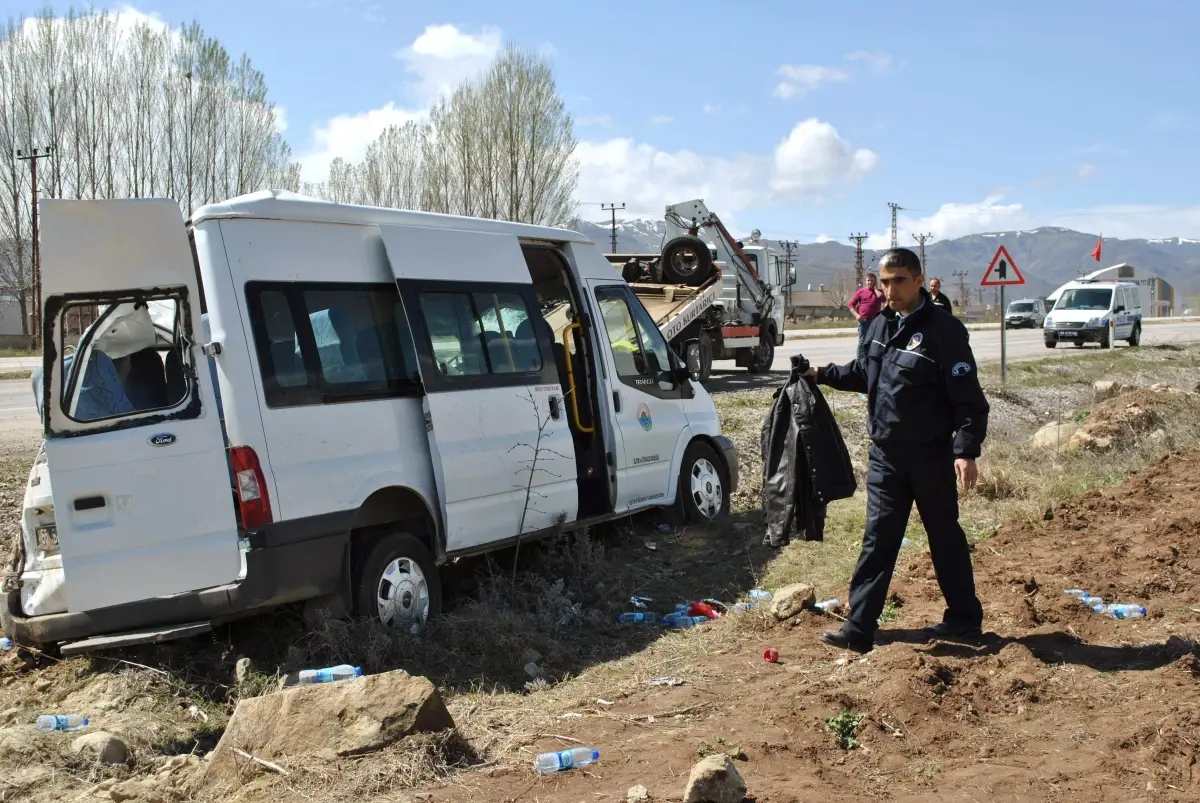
[
  {"x": 922, "y": 383},
  {"x": 805, "y": 462}
]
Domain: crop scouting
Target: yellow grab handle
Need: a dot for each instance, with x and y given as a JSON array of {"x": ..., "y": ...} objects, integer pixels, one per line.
[{"x": 571, "y": 379}]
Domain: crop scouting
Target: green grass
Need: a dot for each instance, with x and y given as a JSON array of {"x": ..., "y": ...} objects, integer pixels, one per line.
[
  {"x": 11, "y": 375},
  {"x": 10, "y": 352}
]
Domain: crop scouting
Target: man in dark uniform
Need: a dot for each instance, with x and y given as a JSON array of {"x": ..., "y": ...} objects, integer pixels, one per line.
[
  {"x": 927, "y": 418},
  {"x": 938, "y": 297}
]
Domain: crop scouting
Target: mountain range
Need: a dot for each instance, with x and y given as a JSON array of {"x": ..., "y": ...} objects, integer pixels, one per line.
[{"x": 1047, "y": 257}]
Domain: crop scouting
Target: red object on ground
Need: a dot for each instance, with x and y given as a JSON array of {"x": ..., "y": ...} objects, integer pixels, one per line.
[
  {"x": 703, "y": 609},
  {"x": 771, "y": 655}
]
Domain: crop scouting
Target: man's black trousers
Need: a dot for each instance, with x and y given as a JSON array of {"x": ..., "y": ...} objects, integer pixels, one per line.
[{"x": 896, "y": 478}]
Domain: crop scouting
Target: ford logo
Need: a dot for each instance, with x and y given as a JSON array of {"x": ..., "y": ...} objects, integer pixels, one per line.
[{"x": 162, "y": 439}]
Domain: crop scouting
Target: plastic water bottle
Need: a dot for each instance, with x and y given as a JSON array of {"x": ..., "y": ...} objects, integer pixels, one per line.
[
  {"x": 1077, "y": 593},
  {"x": 742, "y": 607},
  {"x": 829, "y": 605},
  {"x": 5, "y": 644},
  {"x": 638, "y": 617},
  {"x": 328, "y": 674},
  {"x": 563, "y": 760},
  {"x": 679, "y": 621},
  {"x": 759, "y": 594},
  {"x": 1123, "y": 611},
  {"x": 61, "y": 722}
]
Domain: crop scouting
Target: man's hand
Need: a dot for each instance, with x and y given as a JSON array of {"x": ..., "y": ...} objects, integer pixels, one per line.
[
  {"x": 967, "y": 473},
  {"x": 811, "y": 373}
]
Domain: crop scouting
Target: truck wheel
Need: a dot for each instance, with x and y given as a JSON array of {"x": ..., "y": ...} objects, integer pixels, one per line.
[
  {"x": 686, "y": 260},
  {"x": 1135, "y": 337},
  {"x": 631, "y": 271},
  {"x": 763, "y": 355},
  {"x": 1105, "y": 342},
  {"x": 1051, "y": 344},
  {"x": 706, "y": 356},
  {"x": 702, "y": 484},
  {"x": 398, "y": 584}
]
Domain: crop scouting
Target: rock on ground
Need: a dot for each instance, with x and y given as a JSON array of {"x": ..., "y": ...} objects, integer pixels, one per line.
[
  {"x": 791, "y": 599},
  {"x": 1106, "y": 389},
  {"x": 329, "y": 720},
  {"x": 101, "y": 746},
  {"x": 637, "y": 794},
  {"x": 715, "y": 780},
  {"x": 1055, "y": 436}
]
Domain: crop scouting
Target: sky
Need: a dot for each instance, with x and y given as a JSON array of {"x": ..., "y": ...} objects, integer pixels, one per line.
[{"x": 801, "y": 119}]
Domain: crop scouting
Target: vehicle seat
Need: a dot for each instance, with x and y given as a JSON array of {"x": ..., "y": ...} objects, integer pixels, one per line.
[
  {"x": 525, "y": 347},
  {"x": 369, "y": 355},
  {"x": 176, "y": 381},
  {"x": 100, "y": 392},
  {"x": 289, "y": 369},
  {"x": 146, "y": 382}
]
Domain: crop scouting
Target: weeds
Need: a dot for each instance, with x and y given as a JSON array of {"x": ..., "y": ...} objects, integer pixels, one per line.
[{"x": 845, "y": 727}]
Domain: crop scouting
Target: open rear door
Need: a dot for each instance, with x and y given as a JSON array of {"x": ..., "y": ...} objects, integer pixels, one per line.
[
  {"x": 503, "y": 453},
  {"x": 142, "y": 495}
]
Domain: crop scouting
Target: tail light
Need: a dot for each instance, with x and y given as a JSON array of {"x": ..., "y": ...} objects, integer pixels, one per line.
[{"x": 250, "y": 488}]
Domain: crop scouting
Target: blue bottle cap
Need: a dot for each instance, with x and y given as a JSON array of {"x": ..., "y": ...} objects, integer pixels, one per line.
[
  {"x": 85, "y": 720},
  {"x": 595, "y": 754},
  {"x": 358, "y": 671}
]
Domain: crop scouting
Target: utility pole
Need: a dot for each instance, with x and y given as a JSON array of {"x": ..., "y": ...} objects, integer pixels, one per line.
[
  {"x": 964, "y": 295},
  {"x": 857, "y": 239},
  {"x": 895, "y": 207},
  {"x": 785, "y": 280},
  {"x": 921, "y": 238},
  {"x": 36, "y": 274},
  {"x": 613, "y": 208}
]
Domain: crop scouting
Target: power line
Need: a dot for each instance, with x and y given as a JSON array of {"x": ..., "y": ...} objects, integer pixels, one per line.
[
  {"x": 895, "y": 207},
  {"x": 921, "y": 238},
  {"x": 964, "y": 297},
  {"x": 857, "y": 239},
  {"x": 36, "y": 276},
  {"x": 607, "y": 207}
]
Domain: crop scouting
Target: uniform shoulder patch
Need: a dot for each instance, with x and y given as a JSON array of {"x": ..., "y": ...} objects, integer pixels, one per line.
[{"x": 960, "y": 369}]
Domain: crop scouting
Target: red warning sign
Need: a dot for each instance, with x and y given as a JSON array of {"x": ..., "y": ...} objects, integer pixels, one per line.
[{"x": 1002, "y": 271}]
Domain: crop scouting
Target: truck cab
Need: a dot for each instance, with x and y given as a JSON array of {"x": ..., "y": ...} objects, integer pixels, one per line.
[{"x": 287, "y": 400}]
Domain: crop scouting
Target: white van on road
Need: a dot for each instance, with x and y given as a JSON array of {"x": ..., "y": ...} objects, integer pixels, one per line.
[
  {"x": 1095, "y": 311},
  {"x": 314, "y": 401}
]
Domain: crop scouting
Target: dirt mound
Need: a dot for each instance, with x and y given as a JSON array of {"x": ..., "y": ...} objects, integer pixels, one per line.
[{"x": 1119, "y": 420}]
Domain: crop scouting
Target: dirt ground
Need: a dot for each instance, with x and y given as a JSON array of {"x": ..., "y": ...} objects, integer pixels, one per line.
[{"x": 1056, "y": 703}]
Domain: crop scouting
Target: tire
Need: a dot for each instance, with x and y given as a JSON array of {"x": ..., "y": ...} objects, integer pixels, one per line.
[
  {"x": 390, "y": 561},
  {"x": 631, "y": 271},
  {"x": 686, "y": 260},
  {"x": 706, "y": 356},
  {"x": 1051, "y": 344},
  {"x": 1105, "y": 342},
  {"x": 1135, "y": 337},
  {"x": 703, "y": 484},
  {"x": 764, "y": 355}
]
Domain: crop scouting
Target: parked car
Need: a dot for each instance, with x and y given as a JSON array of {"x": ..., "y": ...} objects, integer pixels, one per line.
[
  {"x": 1025, "y": 313},
  {"x": 1091, "y": 311}
]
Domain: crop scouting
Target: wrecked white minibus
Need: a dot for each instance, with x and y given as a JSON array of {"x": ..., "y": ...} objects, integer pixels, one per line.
[{"x": 285, "y": 399}]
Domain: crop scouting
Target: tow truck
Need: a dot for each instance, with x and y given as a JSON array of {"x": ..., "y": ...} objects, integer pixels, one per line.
[{"x": 708, "y": 286}]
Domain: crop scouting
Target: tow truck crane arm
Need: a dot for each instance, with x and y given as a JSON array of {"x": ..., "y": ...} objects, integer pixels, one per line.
[{"x": 691, "y": 216}]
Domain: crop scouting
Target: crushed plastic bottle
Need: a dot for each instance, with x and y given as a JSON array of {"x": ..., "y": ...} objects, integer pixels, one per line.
[
  {"x": 548, "y": 763},
  {"x": 5, "y": 644},
  {"x": 677, "y": 621},
  {"x": 638, "y": 617},
  {"x": 742, "y": 607},
  {"x": 329, "y": 674},
  {"x": 829, "y": 606},
  {"x": 61, "y": 722},
  {"x": 759, "y": 594},
  {"x": 1118, "y": 610},
  {"x": 1087, "y": 598}
]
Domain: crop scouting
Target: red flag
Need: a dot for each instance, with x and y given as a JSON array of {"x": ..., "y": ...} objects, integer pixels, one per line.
[{"x": 1096, "y": 250}]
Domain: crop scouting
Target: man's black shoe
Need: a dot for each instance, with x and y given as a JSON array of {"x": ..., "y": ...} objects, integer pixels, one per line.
[
  {"x": 846, "y": 641},
  {"x": 954, "y": 632}
]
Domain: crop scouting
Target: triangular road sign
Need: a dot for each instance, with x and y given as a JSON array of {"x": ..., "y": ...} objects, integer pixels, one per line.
[{"x": 1002, "y": 271}]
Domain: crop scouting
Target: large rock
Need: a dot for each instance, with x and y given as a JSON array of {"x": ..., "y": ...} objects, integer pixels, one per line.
[
  {"x": 329, "y": 720},
  {"x": 1055, "y": 437},
  {"x": 791, "y": 599},
  {"x": 1106, "y": 389},
  {"x": 715, "y": 780},
  {"x": 1085, "y": 440},
  {"x": 101, "y": 746}
]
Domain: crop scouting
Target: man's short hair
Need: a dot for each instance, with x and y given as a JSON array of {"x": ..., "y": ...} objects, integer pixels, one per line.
[
  {"x": 902, "y": 258},
  {"x": 872, "y": 276}
]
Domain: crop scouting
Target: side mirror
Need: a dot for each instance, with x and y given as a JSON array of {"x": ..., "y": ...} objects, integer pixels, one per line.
[
  {"x": 791, "y": 275},
  {"x": 691, "y": 353}
]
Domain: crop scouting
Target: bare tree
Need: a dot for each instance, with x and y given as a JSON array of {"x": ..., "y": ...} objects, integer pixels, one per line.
[{"x": 840, "y": 289}]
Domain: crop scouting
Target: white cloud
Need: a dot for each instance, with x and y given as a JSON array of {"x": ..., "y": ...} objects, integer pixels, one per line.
[
  {"x": 442, "y": 57},
  {"x": 348, "y": 136},
  {"x": 1125, "y": 221},
  {"x": 823, "y": 238},
  {"x": 810, "y": 161},
  {"x": 281, "y": 121},
  {"x": 661, "y": 119},
  {"x": 438, "y": 60},
  {"x": 710, "y": 108},
  {"x": 877, "y": 60},
  {"x": 1086, "y": 171},
  {"x": 800, "y": 79},
  {"x": 814, "y": 158}
]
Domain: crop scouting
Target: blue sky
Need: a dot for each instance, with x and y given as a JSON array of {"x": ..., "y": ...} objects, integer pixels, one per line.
[{"x": 802, "y": 119}]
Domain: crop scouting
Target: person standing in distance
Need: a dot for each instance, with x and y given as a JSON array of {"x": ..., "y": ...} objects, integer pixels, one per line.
[
  {"x": 927, "y": 419},
  {"x": 939, "y": 298},
  {"x": 865, "y": 304}
]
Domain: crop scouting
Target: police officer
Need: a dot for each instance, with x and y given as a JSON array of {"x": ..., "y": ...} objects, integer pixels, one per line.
[
  {"x": 927, "y": 418},
  {"x": 939, "y": 298}
]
